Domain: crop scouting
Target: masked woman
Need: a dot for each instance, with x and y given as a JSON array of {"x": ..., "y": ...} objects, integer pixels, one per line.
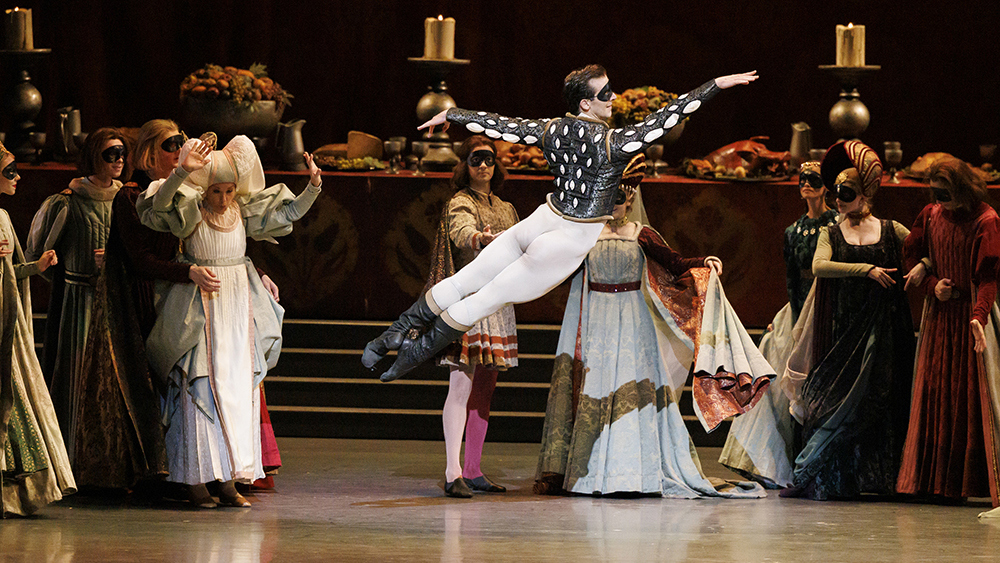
[
  {"x": 473, "y": 217},
  {"x": 952, "y": 443},
  {"x": 849, "y": 375},
  {"x": 214, "y": 342},
  {"x": 75, "y": 223},
  {"x": 612, "y": 424},
  {"x": 760, "y": 444},
  {"x": 34, "y": 467}
]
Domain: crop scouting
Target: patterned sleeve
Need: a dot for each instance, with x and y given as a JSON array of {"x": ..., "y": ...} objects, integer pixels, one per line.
[
  {"x": 626, "y": 142},
  {"x": 495, "y": 126},
  {"x": 463, "y": 225},
  {"x": 657, "y": 249}
]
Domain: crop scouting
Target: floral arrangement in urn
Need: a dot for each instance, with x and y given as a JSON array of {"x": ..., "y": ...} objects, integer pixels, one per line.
[
  {"x": 232, "y": 101},
  {"x": 635, "y": 104}
]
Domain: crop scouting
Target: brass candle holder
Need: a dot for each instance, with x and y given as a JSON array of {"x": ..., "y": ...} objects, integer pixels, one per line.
[
  {"x": 849, "y": 117},
  {"x": 440, "y": 155}
]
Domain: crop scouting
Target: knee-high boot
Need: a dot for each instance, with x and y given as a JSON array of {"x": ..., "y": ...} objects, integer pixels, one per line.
[
  {"x": 415, "y": 351},
  {"x": 419, "y": 315}
]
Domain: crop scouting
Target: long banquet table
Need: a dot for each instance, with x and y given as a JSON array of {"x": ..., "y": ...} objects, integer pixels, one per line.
[{"x": 363, "y": 251}]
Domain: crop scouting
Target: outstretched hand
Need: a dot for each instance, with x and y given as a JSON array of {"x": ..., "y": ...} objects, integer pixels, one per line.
[
  {"x": 315, "y": 177},
  {"x": 196, "y": 155},
  {"x": 487, "y": 236},
  {"x": 731, "y": 80},
  {"x": 439, "y": 119}
]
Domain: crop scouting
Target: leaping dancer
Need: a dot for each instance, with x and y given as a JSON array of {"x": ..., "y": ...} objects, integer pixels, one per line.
[{"x": 587, "y": 158}]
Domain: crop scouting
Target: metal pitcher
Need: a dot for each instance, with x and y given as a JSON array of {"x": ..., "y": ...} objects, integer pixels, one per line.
[
  {"x": 290, "y": 144},
  {"x": 69, "y": 127},
  {"x": 801, "y": 144}
]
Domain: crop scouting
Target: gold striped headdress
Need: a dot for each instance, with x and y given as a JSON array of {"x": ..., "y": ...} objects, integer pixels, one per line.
[{"x": 856, "y": 155}]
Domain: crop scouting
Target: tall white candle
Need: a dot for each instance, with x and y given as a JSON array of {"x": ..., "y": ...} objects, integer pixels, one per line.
[
  {"x": 447, "y": 44},
  {"x": 850, "y": 45},
  {"x": 17, "y": 32},
  {"x": 431, "y": 38}
]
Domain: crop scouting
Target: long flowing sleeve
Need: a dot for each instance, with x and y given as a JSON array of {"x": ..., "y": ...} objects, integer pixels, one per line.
[
  {"x": 271, "y": 212},
  {"x": 916, "y": 250},
  {"x": 985, "y": 259},
  {"x": 170, "y": 205},
  {"x": 141, "y": 244},
  {"x": 656, "y": 249},
  {"x": 47, "y": 226}
]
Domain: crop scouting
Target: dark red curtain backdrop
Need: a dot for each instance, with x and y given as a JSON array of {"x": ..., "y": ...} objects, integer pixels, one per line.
[{"x": 121, "y": 62}]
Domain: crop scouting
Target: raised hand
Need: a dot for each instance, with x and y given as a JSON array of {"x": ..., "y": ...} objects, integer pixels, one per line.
[
  {"x": 315, "y": 175},
  {"x": 731, "y": 80},
  {"x": 194, "y": 155}
]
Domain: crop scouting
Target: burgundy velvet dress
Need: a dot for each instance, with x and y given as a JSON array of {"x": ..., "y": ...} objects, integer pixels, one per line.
[{"x": 950, "y": 434}]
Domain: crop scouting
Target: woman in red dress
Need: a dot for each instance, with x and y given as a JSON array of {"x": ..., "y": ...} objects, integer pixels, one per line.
[{"x": 951, "y": 431}]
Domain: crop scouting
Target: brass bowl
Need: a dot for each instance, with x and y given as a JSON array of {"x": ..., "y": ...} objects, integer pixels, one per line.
[{"x": 228, "y": 119}]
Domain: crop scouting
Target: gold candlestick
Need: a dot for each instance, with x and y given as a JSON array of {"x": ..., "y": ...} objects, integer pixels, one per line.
[{"x": 18, "y": 33}]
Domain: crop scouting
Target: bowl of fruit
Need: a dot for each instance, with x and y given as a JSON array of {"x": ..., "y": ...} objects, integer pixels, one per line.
[{"x": 232, "y": 101}]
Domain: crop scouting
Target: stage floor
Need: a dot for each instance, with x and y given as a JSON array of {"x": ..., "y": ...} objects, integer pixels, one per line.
[{"x": 362, "y": 500}]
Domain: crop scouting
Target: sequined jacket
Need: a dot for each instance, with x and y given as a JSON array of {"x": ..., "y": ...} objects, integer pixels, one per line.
[{"x": 586, "y": 157}]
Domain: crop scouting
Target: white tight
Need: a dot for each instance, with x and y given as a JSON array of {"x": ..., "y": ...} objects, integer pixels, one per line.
[{"x": 522, "y": 264}]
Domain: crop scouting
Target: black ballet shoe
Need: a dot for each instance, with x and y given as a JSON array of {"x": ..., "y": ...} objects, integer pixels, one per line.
[
  {"x": 415, "y": 351},
  {"x": 229, "y": 496},
  {"x": 418, "y": 317},
  {"x": 457, "y": 488},
  {"x": 484, "y": 484},
  {"x": 198, "y": 496}
]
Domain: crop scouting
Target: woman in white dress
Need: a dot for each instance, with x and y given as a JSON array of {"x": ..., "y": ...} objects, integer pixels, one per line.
[{"x": 214, "y": 342}]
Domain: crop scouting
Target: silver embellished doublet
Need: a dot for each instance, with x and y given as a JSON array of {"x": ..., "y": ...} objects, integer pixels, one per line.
[{"x": 586, "y": 157}]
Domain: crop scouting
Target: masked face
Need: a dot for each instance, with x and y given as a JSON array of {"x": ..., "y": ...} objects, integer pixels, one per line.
[
  {"x": 943, "y": 195},
  {"x": 113, "y": 157},
  {"x": 482, "y": 164},
  {"x": 849, "y": 193},
  {"x": 8, "y": 175},
  {"x": 811, "y": 185},
  {"x": 600, "y": 103}
]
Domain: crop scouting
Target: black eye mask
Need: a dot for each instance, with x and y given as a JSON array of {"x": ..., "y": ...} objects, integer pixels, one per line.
[
  {"x": 846, "y": 193},
  {"x": 112, "y": 154},
  {"x": 173, "y": 144},
  {"x": 942, "y": 195},
  {"x": 482, "y": 156},
  {"x": 811, "y": 178},
  {"x": 10, "y": 171},
  {"x": 605, "y": 94}
]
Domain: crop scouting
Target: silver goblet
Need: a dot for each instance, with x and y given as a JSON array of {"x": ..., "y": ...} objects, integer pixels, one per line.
[{"x": 893, "y": 157}]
